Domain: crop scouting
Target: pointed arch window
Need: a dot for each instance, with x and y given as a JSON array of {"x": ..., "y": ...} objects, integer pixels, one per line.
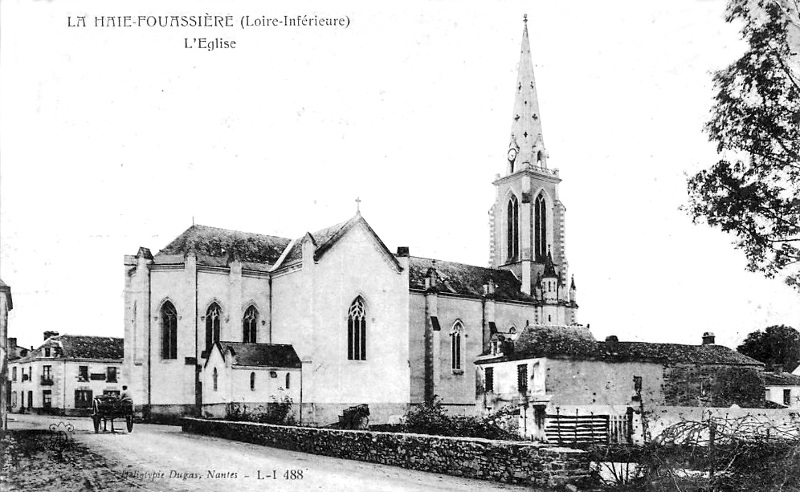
[
  {"x": 512, "y": 229},
  {"x": 213, "y": 314},
  {"x": 540, "y": 228},
  {"x": 456, "y": 335},
  {"x": 357, "y": 331},
  {"x": 169, "y": 331},
  {"x": 215, "y": 378},
  {"x": 250, "y": 325}
]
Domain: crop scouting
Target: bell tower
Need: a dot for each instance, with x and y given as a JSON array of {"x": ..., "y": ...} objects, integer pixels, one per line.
[{"x": 527, "y": 218}]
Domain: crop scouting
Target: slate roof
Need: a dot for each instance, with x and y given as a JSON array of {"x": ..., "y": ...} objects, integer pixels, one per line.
[
  {"x": 262, "y": 354},
  {"x": 80, "y": 347},
  {"x": 320, "y": 238},
  {"x": 782, "y": 379},
  {"x": 211, "y": 243},
  {"x": 465, "y": 280},
  {"x": 325, "y": 239},
  {"x": 578, "y": 343}
]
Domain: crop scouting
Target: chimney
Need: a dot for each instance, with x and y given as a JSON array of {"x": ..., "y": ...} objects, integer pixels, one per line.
[
  {"x": 12, "y": 343},
  {"x": 612, "y": 343},
  {"x": 402, "y": 251},
  {"x": 49, "y": 334},
  {"x": 708, "y": 338}
]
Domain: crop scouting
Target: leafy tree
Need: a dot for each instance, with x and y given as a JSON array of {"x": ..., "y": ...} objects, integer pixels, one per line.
[
  {"x": 753, "y": 191},
  {"x": 777, "y": 345}
]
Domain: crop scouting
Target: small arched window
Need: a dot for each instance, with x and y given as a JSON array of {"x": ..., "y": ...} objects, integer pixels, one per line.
[
  {"x": 540, "y": 228},
  {"x": 250, "y": 325},
  {"x": 357, "y": 330},
  {"x": 214, "y": 378},
  {"x": 213, "y": 314},
  {"x": 169, "y": 331},
  {"x": 455, "y": 345},
  {"x": 512, "y": 228},
  {"x": 253, "y": 381},
  {"x": 288, "y": 380},
  {"x": 539, "y": 158}
]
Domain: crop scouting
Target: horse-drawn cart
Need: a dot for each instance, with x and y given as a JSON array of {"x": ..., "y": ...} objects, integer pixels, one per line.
[{"x": 107, "y": 408}]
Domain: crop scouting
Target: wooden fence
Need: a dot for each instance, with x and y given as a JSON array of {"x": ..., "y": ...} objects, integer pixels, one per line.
[{"x": 577, "y": 429}]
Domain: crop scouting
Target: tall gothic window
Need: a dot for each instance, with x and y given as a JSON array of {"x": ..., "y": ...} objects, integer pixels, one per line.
[
  {"x": 455, "y": 345},
  {"x": 212, "y": 325},
  {"x": 215, "y": 377},
  {"x": 540, "y": 228},
  {"x": 357, "y": 331},
  {"x": 250, "y": 325},
  {"x": 513, "y": 229},
  {"x": 169, "y": 331}
]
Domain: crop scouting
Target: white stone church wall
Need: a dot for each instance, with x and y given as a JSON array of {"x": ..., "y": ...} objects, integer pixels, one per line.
[
  {"x": 314, "y": 320},
  {"x": 172, "y": 380}
]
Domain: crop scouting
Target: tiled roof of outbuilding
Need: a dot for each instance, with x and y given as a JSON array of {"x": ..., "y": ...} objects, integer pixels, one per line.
[
  {"x": 782, "y": 379},
  {"x": 213, "y": 242},
  {"x": 465, "y": 280},
  {"x": 80, "y": 347},
  {"x": 578, "y": 343},
  {"x": 262, "y": 354}
]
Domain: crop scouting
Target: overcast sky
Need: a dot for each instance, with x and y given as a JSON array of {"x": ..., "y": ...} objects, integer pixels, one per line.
[{"x": 116, "y": 138}]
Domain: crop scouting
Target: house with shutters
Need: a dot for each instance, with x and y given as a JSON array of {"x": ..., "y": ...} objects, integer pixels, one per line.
[
  {"x": 63, "y": 374},
  {"x": 369, "y": 325},
  {"x": 561, "y": 380}
]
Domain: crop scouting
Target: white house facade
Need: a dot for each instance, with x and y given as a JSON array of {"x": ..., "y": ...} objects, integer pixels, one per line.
[{"x": 65, "y": 373}]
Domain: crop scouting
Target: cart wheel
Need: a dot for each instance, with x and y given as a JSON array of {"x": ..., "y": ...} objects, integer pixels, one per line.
[
  {"x": 129, "y": 421},
  {"x": 96, "y": 420}
]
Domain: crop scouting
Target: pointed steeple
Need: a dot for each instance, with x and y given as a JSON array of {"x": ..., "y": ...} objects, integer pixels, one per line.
[
  {"x": 549, "y": 267},
  {"x": 526, "y": 127}
]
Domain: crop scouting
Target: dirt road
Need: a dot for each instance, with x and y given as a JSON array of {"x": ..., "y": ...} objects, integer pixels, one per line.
[{"x": 156, "y": 457}]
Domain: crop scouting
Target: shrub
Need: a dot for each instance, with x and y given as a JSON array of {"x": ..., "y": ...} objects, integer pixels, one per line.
[
  {"x": 431, "y": 418},
  {"x": 277, "y": 411},
  {"x": 713, "y": 455}
]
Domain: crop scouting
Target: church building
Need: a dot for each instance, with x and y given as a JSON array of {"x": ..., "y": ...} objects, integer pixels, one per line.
[{"x": 338, "y": 319}]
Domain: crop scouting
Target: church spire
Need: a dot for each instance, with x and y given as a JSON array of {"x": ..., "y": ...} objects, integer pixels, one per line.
[{"x": 526, "y": 127}]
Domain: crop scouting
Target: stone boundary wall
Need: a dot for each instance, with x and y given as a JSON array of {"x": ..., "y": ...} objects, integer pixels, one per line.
[{"x": 504, "y": 461}]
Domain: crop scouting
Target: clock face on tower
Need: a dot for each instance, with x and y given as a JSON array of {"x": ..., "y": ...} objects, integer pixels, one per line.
[{"x": 512, "y": 154}]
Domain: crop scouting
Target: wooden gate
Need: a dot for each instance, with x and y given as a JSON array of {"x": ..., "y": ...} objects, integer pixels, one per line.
[{"x": 579, "y": 429}]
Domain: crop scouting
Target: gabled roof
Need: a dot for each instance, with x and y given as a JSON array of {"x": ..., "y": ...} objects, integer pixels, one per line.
[
  {"x": 782, "y": 379},
  {"x": 213, "y": 242},
  {"x": 260, "y": 354},
  {"x": 325, "y": 239},
  {"x": 318, "y": 238},
  {"x": 578, "y": 343},
  {"x": 465, "y": 280},
  {"x": 80, "y": 347}
]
